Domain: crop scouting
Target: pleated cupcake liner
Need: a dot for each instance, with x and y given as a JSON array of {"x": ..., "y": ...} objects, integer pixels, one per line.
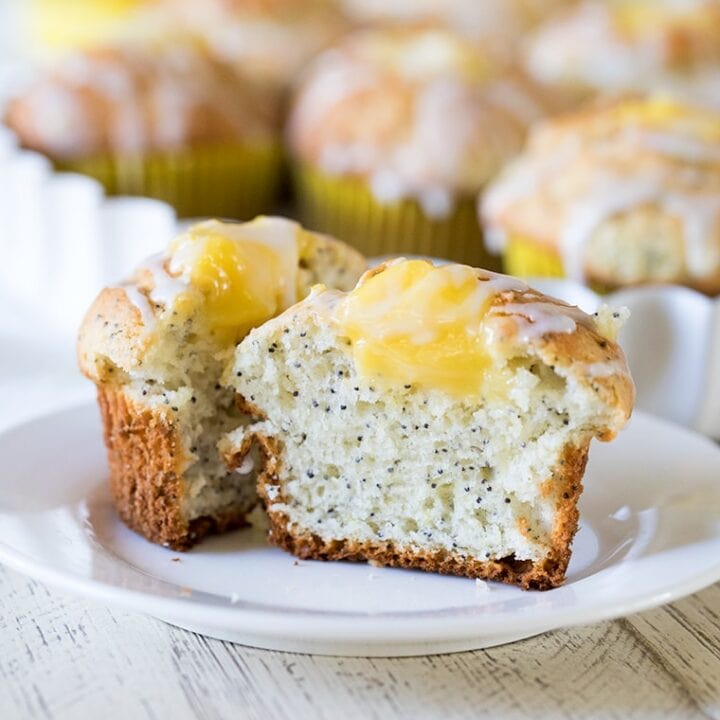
[
  {"x": 346, "y": 208},
  {"x": 225, "y": 180}
]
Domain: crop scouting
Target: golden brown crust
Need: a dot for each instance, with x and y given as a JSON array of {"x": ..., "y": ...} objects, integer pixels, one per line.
[
  {"x": 565, "y": 485},
  {"x": 112, "y": 328},
  {"x": 583, "y": 349},
  {"x": 147, "y": 461}
]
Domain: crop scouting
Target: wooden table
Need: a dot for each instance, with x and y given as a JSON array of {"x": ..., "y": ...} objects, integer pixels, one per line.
[{"x": 64, "y": 658}]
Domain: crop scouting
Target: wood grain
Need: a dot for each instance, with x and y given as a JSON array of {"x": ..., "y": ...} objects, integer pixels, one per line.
[{"x": 64, "y": 659}]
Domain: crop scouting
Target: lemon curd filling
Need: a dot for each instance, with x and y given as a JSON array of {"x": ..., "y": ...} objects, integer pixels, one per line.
[
  {"x": 416, "y": 324},
  {"x": 236, "y": 279}
]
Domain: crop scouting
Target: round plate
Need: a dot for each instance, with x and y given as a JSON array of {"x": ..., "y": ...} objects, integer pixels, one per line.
[{"x": 650, "y": 533}]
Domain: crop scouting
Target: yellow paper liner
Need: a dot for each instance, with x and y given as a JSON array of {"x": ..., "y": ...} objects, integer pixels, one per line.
[
  {"x": 229, "y": 180},
  {"x": 527, "y": 259},
  {"x": 345, "y": 208}
]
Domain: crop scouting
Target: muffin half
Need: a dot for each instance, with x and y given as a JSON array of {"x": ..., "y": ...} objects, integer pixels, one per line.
[
  {"x": 435, "y": 417},
  {"x": 156, "y": 348}
]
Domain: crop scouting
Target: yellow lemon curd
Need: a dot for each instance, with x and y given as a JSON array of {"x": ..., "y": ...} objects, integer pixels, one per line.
[
  {"x": 416, "y": 324},
  {"x": 239, "y": 282}
]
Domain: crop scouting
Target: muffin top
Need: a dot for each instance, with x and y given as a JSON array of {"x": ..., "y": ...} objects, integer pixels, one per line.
[
  {"x": 620, "y": 45},
  {"x": 627, "y": 192},
  {"x": 137, "y": 98},
  {"x": 213, "y": 284},
  {"x": 461, "y": 331},
  {"x": 497, "y": 22},
  {"x": 268, "y": 41},
  {"x": 419, "y": 113}
]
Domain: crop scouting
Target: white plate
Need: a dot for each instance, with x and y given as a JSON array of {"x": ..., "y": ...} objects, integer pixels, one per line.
[{"x": 650, "y": 533}]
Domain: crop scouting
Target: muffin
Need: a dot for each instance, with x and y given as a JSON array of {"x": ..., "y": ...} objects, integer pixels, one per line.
[
  {"x": 633, "y": 45},
  {"x": 156, "y": 348},
  {"x": 162, "y": 120},
  {"x": 498, "y": 23},
  {"x": 619, "y": 194},
  {"x": 394, "y": 131},
  {"x": 269, "y": 41},
  {"x": 59, "y": 25},
  {"x": 436, "y": 418}
]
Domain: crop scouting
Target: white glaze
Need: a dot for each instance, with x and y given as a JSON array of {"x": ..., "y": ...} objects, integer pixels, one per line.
[
  {"x": 566, "y": 51},
  {"x": 167, "y": 286},
  {"x": 540, "y": 318},
  {"x": 607, "y": 368},
  {"x": 140, "y": 301},
  {"x": 146, "y": 99},
  {"x": 536, "y": 316}
]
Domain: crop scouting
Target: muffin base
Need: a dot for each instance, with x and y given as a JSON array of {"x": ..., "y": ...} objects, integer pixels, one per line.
[
  {"x": 345, "y": 208},
  {"x": 544, "y": 574},
  {"x": 147, "y": 461}
]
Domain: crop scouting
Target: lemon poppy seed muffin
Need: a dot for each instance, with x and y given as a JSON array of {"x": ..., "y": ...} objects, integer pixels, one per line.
[
  {"x": 622, "y": 193},
  {"x": 162, "y": 119},
  {"x": 57, "y": 25},
  {"x": 156, "y": 348},
  {"x": 269, "y": 41},
  {"x": 632, "y": 45},
  {"x": 434, "y": 417},
  {"x": 499, "y": 24},
  {"x": 394, "y": 131}
]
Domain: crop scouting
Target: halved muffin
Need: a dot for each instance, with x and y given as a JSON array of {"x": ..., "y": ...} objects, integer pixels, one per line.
[
  {"x": 434, "y": 417},
  {"x": 156, "y": 348}
]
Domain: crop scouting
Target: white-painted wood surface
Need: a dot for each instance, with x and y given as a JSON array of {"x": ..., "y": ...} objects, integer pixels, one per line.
[{"x": 64, "y": 658}]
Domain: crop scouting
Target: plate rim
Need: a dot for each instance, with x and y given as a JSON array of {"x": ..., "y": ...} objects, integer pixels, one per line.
[{"x": 366, "y": 628}]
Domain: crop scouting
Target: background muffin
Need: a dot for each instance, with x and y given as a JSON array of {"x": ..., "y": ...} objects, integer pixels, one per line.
[
  {"x": 499, "y": 23},
  {"x": 618, "y": 195},
  {"x": 59, "y": 25},
  {"x": 269, "y": 41},
  {"x": 164, "y": 120},
  {"x": 621, "y": 45},
  {"x": 394, "y": 131}
]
